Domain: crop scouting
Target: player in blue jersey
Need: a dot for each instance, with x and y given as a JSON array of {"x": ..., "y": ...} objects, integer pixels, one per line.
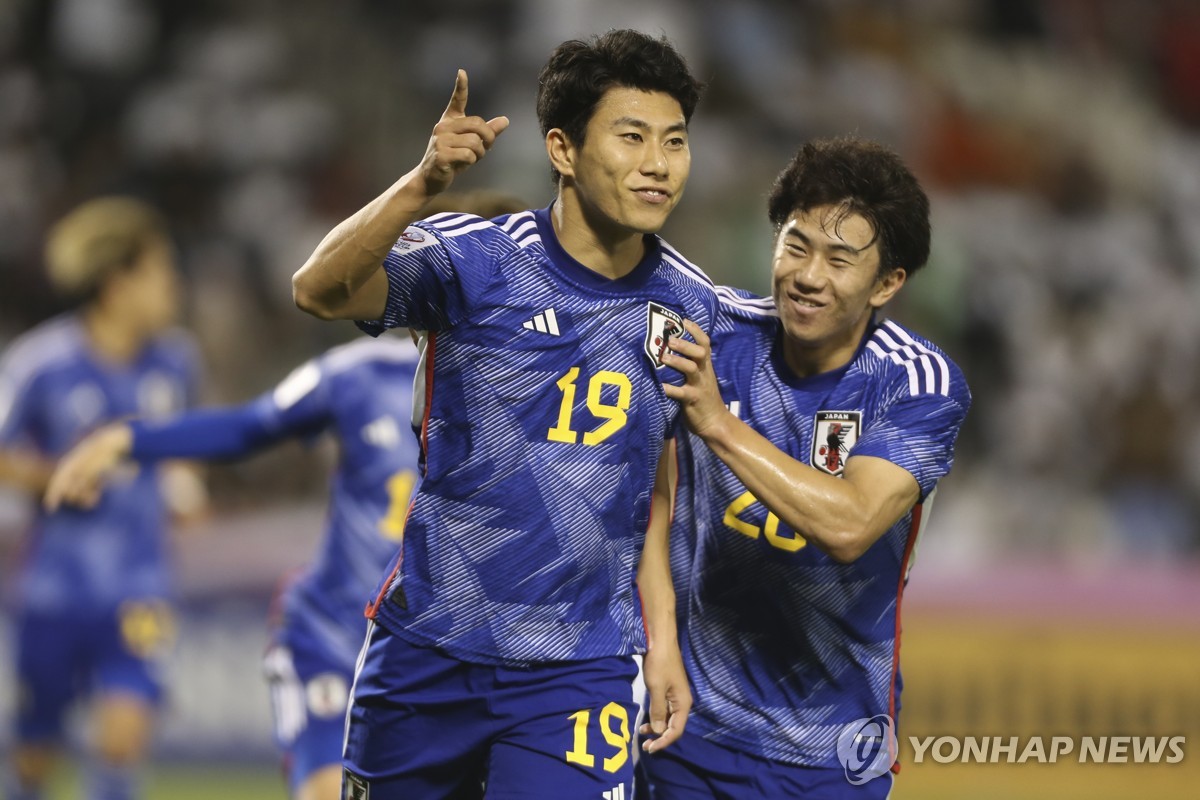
[
  {"x": 819, "y": 433},
  {"x": 534, "y": 562},
  {"x": 92, "y": 618},
  {"x": 362, "y": 394}
]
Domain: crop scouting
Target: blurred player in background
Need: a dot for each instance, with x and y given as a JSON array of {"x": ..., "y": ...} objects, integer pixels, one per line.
[
  {"x": 361, "y": 393},
  {"x": 816, "y": 447},
  {"x": 504, "y": 636},
  {"x": 93, "y": 617}
]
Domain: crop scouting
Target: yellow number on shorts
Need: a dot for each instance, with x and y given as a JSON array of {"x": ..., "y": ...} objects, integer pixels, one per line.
[
  {"x": 743, "y": 501},
  {"x": 617, "y": 736},
  {"x": 399, "y": 488},
  {"x": 613, "y": 414}
]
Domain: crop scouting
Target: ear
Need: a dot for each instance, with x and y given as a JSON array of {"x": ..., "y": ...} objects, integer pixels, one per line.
[
  {"x": 886, "y": 287},
  {"x": 560, "y": 152}
]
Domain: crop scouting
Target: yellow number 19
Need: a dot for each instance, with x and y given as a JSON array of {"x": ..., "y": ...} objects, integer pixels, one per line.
[
  {"x": 613, "y": 414},
  {"x": 618, "y": 739}
]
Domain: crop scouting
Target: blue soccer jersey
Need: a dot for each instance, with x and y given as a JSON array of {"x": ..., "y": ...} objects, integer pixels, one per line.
[
  {"x": 543, "y": 423},
  {"x": 53, "y": 390},
  {"x": 362, "y": 393},
  {"x": 784, "y": 645}
]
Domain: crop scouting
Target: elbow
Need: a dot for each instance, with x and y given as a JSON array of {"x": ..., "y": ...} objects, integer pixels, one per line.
[
  {"x": 846, "y": 546},
  {"x": 308, "y": 301}
]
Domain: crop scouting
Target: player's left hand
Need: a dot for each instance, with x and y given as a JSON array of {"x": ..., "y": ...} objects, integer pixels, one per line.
[
  {"x": 81, "y": 474},
  {"x": 699, "y": 397},
  {"x": 670, "y": 697}
]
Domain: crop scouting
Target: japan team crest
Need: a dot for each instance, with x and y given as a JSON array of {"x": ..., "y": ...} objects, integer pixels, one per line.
[
  {"x": 834, "y": 434},
  {"x": 661, "y": 324},
  {"x": 355, "y": 787}
]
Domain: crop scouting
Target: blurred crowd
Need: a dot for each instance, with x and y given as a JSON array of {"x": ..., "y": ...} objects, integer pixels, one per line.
[{"x": 1059, "y": 141}]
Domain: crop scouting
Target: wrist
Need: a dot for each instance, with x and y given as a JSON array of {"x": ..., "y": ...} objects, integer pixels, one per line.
[{"x": 717, "y": 427}]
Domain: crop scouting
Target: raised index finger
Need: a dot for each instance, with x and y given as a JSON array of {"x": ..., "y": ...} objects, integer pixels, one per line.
[{"x": 458, "y": 100}]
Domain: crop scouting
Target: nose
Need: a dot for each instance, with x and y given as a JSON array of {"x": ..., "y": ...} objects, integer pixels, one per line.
[
  {"x": 654, "y": 160},
  {"x": 809, "y": 274}
]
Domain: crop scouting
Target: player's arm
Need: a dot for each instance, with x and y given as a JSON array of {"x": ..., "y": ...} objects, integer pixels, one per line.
[
  {"x": 203, "y": 434},
  {"x": 25, "y": 470},
  {"x": 842, "y": 516},
  {"x": 666, "y": 680},
  {"x": 343, "y": 278}
]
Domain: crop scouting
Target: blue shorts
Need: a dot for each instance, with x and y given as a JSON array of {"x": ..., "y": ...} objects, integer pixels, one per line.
[
  {"x": 309, "y": 689},
  {"x": 424, "y": 724},
  {"x": 67, "y": 655},
  {"x": 694, "y": 768}
]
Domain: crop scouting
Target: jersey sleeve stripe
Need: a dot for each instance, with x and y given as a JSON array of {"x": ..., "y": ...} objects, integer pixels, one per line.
[
  {"x": 672, "y": 257},
  {"x": 478, "y": 225},
  {"x": 914, "y": 381},
  {"x": 523, "y": 229},
  {"x": 942, "y": 386},
  {"x": 517, "y": 223},
  {"x": 449, "y": 220},
  {"x": 728, "y": 298}
]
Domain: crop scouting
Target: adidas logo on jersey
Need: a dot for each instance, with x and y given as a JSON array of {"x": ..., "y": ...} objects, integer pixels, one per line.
[
  {"x": 617, "y": 793},
  {"x": 543, "y": 322}
]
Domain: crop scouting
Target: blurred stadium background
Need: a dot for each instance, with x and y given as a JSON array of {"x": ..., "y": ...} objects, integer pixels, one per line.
[{"x": 1058, "y": 590}]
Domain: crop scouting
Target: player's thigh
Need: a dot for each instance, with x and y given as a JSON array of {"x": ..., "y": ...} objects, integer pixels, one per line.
[
  {"x": 418, "y": 722},
  {"x": 571, "y": 734}
]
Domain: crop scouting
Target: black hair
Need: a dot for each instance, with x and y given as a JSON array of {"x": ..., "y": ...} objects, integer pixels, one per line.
[
  {"x": 859, "y": 177},
  {"x": 579, "y": 72}
]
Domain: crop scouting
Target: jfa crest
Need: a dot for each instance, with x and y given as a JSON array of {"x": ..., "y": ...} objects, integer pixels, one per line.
[
  {"x": 834, "y": 434},
  {"x": 356, "y": 787},
  {"x": 661, "y": 324}
]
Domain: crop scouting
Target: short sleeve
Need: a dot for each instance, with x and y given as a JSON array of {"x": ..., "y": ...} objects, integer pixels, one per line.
[
  {"x": 437, "y": 271},
  {"x": 18, "y": 403},
  {"x": 917, "y": 433}
]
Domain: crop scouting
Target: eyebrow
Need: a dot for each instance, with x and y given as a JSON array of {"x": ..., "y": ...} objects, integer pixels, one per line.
[
  {"x": 640, "y": 124},
  {"x": 793, "y": 233}
]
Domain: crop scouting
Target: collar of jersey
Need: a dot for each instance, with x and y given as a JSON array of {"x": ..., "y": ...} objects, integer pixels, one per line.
[{"x": 584, "y": 277}]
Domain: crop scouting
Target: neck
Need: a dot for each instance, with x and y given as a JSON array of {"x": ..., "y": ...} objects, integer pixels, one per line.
[
  {"x": 111, "y": 337},
  {"x": 806, "y": 361},
  {"x": 597, "y": 243}
]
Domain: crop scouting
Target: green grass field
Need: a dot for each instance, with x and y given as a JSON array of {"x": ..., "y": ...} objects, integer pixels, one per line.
[{"x": 192, "y": 782}]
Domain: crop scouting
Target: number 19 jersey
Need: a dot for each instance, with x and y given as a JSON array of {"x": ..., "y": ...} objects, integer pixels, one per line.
[{"x": 542, "y": 423}]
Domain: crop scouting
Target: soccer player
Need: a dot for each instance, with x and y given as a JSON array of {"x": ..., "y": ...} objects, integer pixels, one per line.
[
  {"x": 503, "y": 638},
  {"x": 93, "y": 619},
  {"x": 362, "y": 394},
  {"x": 819, "y": 431}
]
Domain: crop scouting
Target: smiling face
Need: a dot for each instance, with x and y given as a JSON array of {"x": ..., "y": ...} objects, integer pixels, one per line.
[
  {"x": 826, "y": 284},
  {"x": 628, "y": 173}
]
